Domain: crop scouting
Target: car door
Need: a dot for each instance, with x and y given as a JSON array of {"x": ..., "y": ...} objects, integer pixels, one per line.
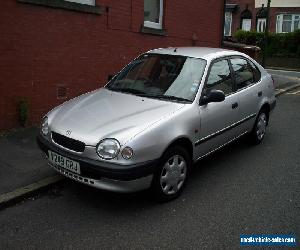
[
  {"x": 248, "y": 86},
  {"x": 218, "y": 119}
]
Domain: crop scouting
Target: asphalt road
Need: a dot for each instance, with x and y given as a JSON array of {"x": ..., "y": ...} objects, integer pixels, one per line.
[
  {"x": 284, "y": 79},
  {"x": 241, "y": 189},
  {"x": 286, "y": 73}
]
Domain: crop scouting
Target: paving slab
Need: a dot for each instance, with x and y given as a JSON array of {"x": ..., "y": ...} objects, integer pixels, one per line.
[{"x": 21, "y": 161}]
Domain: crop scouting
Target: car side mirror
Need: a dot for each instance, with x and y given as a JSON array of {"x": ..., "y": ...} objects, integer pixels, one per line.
[{"x": 212, "y": 96}]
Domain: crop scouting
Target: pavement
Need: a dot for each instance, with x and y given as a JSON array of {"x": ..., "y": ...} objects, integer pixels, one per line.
[{"x": 24, "y": 170}]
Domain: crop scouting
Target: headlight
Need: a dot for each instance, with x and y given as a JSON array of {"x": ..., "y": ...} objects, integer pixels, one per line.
[
  {"x": 127, "y": 153},
  {"x": 108, "y": 148},
  {"x": 45, "y": 126}
]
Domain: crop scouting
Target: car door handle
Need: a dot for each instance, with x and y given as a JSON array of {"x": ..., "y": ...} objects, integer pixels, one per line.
[
  {"x": 234, "y": 105},
  {"x": 259, "y": 94}
]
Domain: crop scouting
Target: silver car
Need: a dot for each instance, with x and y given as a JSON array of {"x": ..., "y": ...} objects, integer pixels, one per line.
[{"x": 161, "y": 113}]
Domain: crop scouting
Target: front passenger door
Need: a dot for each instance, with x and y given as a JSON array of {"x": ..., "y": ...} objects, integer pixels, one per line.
[{"x": 217, "y": 119}]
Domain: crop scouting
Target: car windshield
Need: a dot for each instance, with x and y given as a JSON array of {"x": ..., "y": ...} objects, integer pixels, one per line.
[{"x": 167, "y": 77}]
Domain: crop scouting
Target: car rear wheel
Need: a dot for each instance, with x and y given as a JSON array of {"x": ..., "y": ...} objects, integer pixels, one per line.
[
  {"x": 172, "y": 173},
  {"x": 259, "y": 130}
]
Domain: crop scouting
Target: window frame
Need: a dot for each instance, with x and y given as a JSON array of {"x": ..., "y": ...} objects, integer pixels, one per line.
[
  {"x": 82, "y": 2},
  {"x": 262, "y": 20},
  {"x": 234, "y": 86},
  {"x": 154, "y": 25},
  {"x": 246, "y": 19},
  {"x": 67, "y": 5},
  {"x": 230, "y": 26},
  {"x": 233, "y": 72},
  {"x": 279, "y": 22},
  {"x": 225, "y": 58}
]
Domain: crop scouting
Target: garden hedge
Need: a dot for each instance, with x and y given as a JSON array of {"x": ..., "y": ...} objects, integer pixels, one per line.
[{"x": 278, "y": 44}]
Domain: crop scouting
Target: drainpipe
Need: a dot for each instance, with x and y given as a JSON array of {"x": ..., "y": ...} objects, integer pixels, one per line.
[
  {"x": 223, "y": 23},
  {"x": 266, "y": 35}
]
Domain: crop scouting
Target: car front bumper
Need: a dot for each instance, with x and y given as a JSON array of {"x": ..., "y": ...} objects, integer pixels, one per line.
[{"x": 104, "y": 175}]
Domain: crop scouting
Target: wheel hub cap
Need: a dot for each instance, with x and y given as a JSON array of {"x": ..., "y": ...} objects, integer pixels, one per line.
[
  {"x": 261, "y": 126},
  {"x": 173, "y": 175}
]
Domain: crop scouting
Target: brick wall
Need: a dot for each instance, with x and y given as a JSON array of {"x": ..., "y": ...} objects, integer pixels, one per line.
[
  {"x": 236, "y": 15},
  {"x": 44, "y": 48}
]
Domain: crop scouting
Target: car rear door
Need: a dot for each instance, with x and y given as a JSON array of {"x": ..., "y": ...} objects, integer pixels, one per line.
[
  {"x": 217, "y": 120},
  {"x": 248, "y": 86}
]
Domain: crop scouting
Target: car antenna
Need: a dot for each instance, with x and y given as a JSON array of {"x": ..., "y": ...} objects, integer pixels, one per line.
[{"x": 175, "y": 50}]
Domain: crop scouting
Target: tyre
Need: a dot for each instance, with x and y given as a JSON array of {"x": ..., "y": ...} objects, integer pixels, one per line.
[
  {"x": 259, "y": 129},
  {"x": 172, "y": 173}
]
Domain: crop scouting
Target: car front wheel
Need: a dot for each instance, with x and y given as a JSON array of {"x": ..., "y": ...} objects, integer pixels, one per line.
[{"x": 171, "y": 175}]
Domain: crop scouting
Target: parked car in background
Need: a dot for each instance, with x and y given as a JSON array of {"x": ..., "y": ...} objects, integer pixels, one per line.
[{"x": 164, "y": 111}]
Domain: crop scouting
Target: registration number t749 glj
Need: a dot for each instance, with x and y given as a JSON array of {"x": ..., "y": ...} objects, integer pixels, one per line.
[{"x": 64, "y": 162}]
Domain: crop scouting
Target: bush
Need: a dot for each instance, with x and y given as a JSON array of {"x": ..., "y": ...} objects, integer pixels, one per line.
[{"x": 282, "y": 44}]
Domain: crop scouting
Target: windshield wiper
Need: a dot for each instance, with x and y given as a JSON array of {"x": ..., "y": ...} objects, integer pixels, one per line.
[
  {"x": 172, "y": 98},
  {"x": 143, "y": 94},
  {"x": 127, "y": 90}
]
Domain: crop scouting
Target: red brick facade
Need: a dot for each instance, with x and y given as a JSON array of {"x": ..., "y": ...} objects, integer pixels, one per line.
[
  {"x": 236, "y": 14},
  {"x": 45, "y": 48}
]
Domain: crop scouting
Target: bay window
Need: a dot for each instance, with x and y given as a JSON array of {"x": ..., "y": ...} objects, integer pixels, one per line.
[{"x": 287, "y": 23}]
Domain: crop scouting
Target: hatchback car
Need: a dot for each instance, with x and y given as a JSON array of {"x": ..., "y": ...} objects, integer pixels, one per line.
[{"x": 161, "y": 113}]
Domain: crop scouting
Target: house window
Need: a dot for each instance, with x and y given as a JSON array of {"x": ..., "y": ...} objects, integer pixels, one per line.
[
  {"x": 246, "y": 17},
  {"x": 227, "y": 23},
  {"x": 246, "y": 24},
  {"x": 88, "y": 2},
  {"x": 287, "y": 23},
  {"x": 153, "y": 13},
  {"x": 261, "y": 24}
]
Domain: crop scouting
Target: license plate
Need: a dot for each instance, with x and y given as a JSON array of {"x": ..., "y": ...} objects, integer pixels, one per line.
[{"x": 64, "y": 162}]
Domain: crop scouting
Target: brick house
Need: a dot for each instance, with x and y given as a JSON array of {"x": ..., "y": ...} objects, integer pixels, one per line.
[
  {"x": 251, "y": 15},
  {"x": 53, "y": 50}
]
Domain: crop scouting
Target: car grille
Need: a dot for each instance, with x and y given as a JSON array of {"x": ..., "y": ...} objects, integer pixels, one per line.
[{"x": 68, "y": 143}]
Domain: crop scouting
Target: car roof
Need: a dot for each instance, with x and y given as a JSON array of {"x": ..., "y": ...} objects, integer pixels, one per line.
[{"x": 197, "y": 52}]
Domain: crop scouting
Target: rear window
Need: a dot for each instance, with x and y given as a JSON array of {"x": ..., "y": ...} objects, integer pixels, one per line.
[
  {"x": 256, "y": 71},
  {"x": 243, "y": 73}
]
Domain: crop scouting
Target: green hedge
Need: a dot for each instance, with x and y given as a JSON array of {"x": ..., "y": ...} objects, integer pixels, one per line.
[{"x": 283, "y": 44}]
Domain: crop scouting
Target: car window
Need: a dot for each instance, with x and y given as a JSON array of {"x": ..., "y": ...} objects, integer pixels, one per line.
[
  {"x": 220, "y": 77},
  {"x": 161, "y": 76},
  {"x": 242, "y": 72},
  {"x": 255, "y": 70}
]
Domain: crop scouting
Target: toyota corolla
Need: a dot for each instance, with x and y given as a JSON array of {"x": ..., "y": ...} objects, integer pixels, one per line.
[{"x": 161, "y": 113}]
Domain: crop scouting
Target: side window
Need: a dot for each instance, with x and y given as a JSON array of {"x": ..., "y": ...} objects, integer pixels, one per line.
[
  {"x": 220, "y": 77},
  {"x": 242, "y": 72},
  {"x": 256, "y": 72}
]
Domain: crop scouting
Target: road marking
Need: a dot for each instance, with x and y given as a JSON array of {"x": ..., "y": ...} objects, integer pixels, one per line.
[
  {"x": 294, "y": 93},
  {"x": 279, "y": 92},
  {"x": 284, "y": 71}
]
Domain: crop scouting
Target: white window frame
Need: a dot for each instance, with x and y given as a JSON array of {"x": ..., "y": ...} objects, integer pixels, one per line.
[
  {"x": 279, "y": 22},
  {"x": 263, "y": 21},
  {"x": 246, "y": 22},
  {"x": 155, "y": 25},
  {"x": 230, "y": 26},
  {"x": 87, "y": 2}
]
